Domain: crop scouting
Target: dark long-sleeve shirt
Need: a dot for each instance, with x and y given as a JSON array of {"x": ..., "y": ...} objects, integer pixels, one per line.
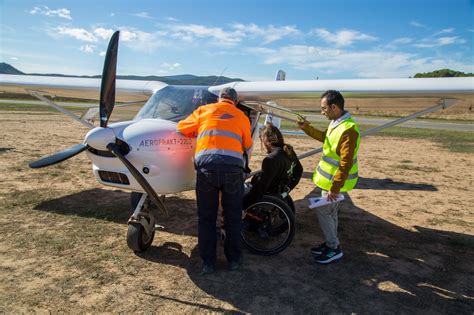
[{"x": 278, "y": 170}]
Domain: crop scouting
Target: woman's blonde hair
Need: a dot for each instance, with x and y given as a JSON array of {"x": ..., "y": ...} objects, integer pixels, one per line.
[{"x": 272, "y": 136}]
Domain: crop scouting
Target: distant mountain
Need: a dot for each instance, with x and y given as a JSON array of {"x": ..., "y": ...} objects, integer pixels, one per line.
[
  {"x": 5, "y": 68},
  {"x": 182, "y": 79}
]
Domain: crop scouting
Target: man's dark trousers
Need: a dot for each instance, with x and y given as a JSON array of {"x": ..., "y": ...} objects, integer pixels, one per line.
[{"x": 209, "y": 183}]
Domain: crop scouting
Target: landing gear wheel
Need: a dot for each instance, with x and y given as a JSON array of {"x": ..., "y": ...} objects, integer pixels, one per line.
[
  {"x": 137, "y": 239},
  {"x": 268, "y": 226}
]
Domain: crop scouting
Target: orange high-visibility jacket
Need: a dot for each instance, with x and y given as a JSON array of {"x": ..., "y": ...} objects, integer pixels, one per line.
[{"x": 222, "y": 131}]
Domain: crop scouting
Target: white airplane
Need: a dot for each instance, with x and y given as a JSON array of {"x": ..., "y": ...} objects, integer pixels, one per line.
[{"x": 148, "y": 157}]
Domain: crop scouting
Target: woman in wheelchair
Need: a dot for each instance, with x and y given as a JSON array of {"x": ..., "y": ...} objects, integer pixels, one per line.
[{"x": 269, "y": 222}]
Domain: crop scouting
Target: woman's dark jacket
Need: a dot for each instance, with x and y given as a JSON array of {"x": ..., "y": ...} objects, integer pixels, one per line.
[{"x": 279, "y": 173}]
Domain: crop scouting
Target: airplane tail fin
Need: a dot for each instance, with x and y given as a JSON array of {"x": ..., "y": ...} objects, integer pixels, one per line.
[{"x": 280, "y": 76}]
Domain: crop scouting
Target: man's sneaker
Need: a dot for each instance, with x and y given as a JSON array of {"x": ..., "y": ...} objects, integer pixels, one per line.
[
  {"x": 329, "y": 255},
  {"x": 318, "y": 250}
]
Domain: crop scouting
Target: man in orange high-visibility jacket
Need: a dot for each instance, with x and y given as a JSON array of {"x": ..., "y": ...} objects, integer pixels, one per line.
[{"x": 223, "y": 135}]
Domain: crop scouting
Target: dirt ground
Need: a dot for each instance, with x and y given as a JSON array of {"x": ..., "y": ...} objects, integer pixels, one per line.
[{"x": 407, "y": 233}]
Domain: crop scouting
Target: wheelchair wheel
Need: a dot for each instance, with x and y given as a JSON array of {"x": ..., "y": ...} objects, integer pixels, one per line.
[
  {"x": 289, "y": 201},
  {"x": 268, "y": 226}
]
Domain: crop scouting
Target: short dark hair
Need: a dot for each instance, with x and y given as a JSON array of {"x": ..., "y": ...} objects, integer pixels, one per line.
[
  {"x": 229, "y": 93},
  {"x": 334, "y": 97}
]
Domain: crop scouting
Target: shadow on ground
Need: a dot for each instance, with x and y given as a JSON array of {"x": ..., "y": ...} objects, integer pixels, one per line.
[
  {"x": 114, "y": 206},
  {"x": 5, "y": 150},
  {"x": 385, "y": 184},
  {"x": 385, "y": 268}
]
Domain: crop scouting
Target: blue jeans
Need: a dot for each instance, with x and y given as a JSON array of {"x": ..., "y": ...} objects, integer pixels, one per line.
[{"x": 208, "y": 186}]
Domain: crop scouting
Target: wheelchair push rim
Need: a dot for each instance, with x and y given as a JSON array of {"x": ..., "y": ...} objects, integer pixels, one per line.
[{"x": 268, "y": 226}]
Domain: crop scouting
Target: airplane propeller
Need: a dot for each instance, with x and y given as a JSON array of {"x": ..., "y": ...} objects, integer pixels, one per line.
[
  {"x": 59, "y": 157},
  {"x": 103, "y": 138},
  {"x": 107, "y": 88}
]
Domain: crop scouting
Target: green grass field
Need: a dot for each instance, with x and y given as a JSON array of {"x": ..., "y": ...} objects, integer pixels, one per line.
[{"x": 455, "y": 141}]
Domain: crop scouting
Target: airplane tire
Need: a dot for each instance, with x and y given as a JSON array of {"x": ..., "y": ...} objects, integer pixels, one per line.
[{"x": 137, "y": 239}]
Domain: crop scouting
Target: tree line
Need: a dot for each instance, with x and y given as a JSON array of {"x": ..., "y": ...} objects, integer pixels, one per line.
[{"x": 443, "y": 73}]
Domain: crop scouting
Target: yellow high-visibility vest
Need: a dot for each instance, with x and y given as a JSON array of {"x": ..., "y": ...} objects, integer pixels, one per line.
[{"x": 329, "y": 164}]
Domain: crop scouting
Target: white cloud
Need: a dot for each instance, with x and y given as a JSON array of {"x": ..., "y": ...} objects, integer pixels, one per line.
[
  {"x": 444, "y": 31},
  {"x": 172, "y": 19},
  {"x": 143, "y": 15},
  {"x": 450, "y": 40},
  {"x": 87, "y": 48},
  {"x": 141, "y": 41},
  {"x": 232, "y": 37},
  {"x": 126, "y": 35},
  {"x": 103, "y": 33},
  {"x": 397, "y": 43},
  {"x": 44, "y": 10},
  {"x": 343, "y": 37},
  {"x": 102, "y": 53},
  {"x": 402, "y": 41},
  {"x": 441, "y": 41},
  {"x": 133, "y": 38},
  {"x": 416, "y": 24},
  {"x": 170, "y": 66},
  {"x": 77, "y": 33},
  {"x": 364, "y": 64},
  {"x": 167, "y": 67},
  {"x": 191, "y": 32},
  {"x": 14, "y": 58},
  {"x": 269, "y": 34}
]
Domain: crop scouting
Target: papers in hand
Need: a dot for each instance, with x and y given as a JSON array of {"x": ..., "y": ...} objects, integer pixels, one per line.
[{"x": 322, "y": 201}]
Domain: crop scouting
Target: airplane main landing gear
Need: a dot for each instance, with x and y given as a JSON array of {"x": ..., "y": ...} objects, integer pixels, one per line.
[{"x": 141, "y": 225}]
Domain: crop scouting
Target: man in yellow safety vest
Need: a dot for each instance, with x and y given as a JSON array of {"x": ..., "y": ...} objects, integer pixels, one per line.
[{"x": 337, "y": 170}]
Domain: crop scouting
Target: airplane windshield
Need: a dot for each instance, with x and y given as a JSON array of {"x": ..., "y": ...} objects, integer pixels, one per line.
[{"x": 176, "y": 102}]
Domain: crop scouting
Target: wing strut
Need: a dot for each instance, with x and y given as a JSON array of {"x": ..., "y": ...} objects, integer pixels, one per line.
[
  {"x": 59, "y": 108},
  {"x": 442, "y": 104}
]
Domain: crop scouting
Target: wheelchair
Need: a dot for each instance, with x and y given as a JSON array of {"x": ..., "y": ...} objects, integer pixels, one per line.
[{"x": 269, "y": 224}]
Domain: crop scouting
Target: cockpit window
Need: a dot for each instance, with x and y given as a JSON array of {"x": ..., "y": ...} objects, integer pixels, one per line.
[{"x": 176, "y": 102}]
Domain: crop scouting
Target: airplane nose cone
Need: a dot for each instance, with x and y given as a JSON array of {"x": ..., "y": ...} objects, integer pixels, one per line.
[{"x": 98, "y": 138}]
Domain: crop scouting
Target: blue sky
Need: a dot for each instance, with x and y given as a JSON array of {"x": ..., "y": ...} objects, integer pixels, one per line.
[{"x": 246, "y": 39}]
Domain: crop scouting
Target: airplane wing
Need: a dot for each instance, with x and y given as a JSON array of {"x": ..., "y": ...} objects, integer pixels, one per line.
[
  {"x": 261, "y": 96},
  {"x": 84, "y": 88},
  {"x": 263, "y": 91}
]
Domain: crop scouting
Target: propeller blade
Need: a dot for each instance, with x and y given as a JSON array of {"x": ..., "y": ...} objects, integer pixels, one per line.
[
  {"x": 107, "y": 88},
  {"x": 59, "y": 157},
  {"x": 138, "y": 176}
]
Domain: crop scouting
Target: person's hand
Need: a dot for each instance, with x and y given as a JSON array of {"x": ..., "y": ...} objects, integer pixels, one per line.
[
  {"x": 332, "y": 196},
  {"x": 301, "y": 122}
]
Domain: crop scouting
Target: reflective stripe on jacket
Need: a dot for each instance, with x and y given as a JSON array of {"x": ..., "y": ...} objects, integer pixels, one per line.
[
  {"x": 330, "y": 161},
  {"x": 222, "y": 131}
]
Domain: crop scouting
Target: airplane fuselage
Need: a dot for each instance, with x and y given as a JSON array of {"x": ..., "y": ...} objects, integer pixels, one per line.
[{"x": 151, "y": 143}]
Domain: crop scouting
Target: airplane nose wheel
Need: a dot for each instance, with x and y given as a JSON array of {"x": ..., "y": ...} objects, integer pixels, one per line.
[{"x": 141, "y": 225}]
